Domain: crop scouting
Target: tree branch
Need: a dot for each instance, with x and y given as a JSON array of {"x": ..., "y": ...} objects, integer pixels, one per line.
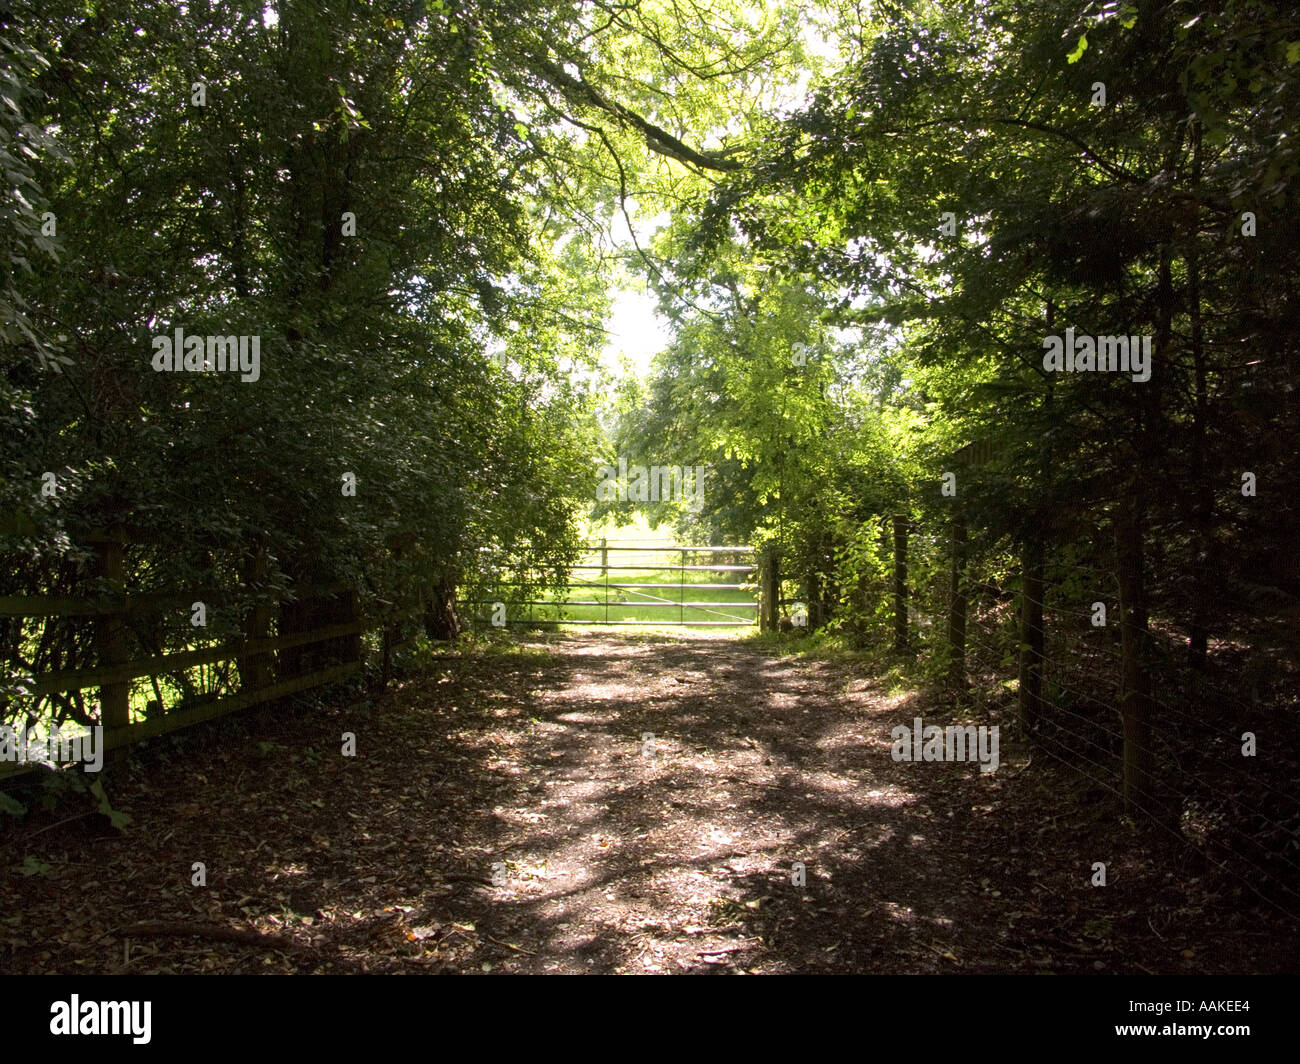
[{"x": 657, "y": 139}]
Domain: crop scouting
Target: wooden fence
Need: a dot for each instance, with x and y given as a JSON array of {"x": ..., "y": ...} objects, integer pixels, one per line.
[{"x": 298, "y": 658}]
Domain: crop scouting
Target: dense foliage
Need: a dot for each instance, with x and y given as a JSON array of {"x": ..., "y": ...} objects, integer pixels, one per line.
[
  {"x": 975, "y": 178},
  {"x": 419, "y": 208}
]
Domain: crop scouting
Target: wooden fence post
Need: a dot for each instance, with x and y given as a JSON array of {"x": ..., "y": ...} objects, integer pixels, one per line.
[
  {"x": 255, "y": 669},
  {"x": 777, "y": 580},
  {"x": 110, "y": 637},
  {"x": 296, "y": 616},
  {"x": 1030, "y": 695},
  {"x": 352, "y": 645},
  {"x": 900, "y": 582},
  {"x": 770, "y": 590}
]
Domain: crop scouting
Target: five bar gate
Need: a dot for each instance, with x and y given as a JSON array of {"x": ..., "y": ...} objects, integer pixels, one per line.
[{"x": 714, "y": 586}]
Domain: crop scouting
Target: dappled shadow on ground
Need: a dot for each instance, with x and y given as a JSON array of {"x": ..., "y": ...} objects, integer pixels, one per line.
[{"x": 608, "y": 803}]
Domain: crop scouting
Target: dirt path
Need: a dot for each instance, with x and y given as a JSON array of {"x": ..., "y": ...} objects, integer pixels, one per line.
[{"x": 507, "y": 812}]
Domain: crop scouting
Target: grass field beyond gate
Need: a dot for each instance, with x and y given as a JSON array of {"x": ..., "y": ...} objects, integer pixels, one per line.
[{"x": 644, "y": 584}]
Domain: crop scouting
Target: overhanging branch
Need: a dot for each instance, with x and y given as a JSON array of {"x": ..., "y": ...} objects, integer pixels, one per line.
[{"x": 657, "y": 139}]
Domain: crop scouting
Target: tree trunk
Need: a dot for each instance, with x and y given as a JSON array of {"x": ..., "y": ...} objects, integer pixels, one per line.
[
  {"x": 441, "y": 621},
  {"x": 1030, "y": 695},
  {"x": 1203, "y": 568},
  {"x": 771, "y": 590},
  {"x": 900, "y": 583},
  {"x": 110, "y": 632},
  {"x": 957, "y": 606},
  {"x": 1135, "y": 690}
]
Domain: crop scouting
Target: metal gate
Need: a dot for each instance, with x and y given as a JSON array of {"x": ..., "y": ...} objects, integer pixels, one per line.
[{"x": 702, "y": 587}]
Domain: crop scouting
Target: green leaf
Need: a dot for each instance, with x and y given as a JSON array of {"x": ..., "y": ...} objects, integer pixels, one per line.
[
  {"x": 11, "y": 805},
  {"x": 1079, "y": 49},
  {"x": 118, "y": 819},
  {"x": 33, "y": 866}
]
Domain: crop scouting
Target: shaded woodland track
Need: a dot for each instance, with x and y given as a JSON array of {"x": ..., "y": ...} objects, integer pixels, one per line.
[{"x": 614, "y": 855}]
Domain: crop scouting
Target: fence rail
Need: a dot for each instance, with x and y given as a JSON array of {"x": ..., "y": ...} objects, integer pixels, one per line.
[{"x": 269, "y": 666}]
